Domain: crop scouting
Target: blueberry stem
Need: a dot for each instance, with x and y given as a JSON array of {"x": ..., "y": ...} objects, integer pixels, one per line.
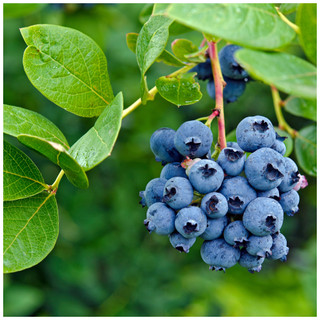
[
  {"x": 277, "y": 102},
  {"x": 219, "y": 83},
  {"x": 154, "y": 90},
  {"x": 288, "y": 22}
]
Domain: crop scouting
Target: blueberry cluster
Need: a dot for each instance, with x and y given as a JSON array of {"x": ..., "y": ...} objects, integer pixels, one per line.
[
  {"x": 233, "y": 74},
  {"x": 236, "y": 204}
]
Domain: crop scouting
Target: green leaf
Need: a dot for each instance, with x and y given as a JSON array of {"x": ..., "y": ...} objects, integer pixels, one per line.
[
  {"x": 68, "y": 68},
  {"x": 306, "y": 149},
  {"x": 305, "y": 108},
  {"x": 17, "y": 10},
  {"x": 21, "y": 177},
  {"x": 31, "y": 228},
  {"x": 58, "y": 155},
  {"x": 186, "y": 51},
  {"x": 98, "y": 142},
  {"x": 145, "y": 13},
  {"x": 23, "y": 121},
  {"x": 131, "y": 39},
  {"x": 151, "y": 43},
  {"x": 287, "y": 8},
  {"x": 288, "y": 73},
  {"x": 253, "y": 25},
  {"x": 306, "y": 19},
  {"x": 179, "y": 90},
  {"x": 288, "y": 142}
]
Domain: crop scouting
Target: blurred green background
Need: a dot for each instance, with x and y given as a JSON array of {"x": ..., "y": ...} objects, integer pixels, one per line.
[{"x": 105, "y": 263}]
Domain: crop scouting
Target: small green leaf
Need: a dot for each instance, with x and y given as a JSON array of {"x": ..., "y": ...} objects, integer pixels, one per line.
[
  {"x": 184, "y": 50},
  {"x": 288, "y": 141},
  {"x": 287, "y": 8},
  {"x": 68, "y": 68},
  {"x": 58, "y": 155},
  {"x": 287, "y": 72},
  {"x": 131, "y": 38},
  {"x": 31, "y": 228},
  {"x": 306, "y": 19},
  {"x": 306, "y": 149},
  {"x": 21, "y": 177},
  {"x": 305, "y": 108},
  {"x": 98, "y": 142},
  {"x": 23, "y": 121},
  {"x": 180, "y": 90},
  {"x": 151, "y": 43},
  {"x": 254, "y": 25}
]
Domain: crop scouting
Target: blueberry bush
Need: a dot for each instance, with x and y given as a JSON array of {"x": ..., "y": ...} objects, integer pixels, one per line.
[{"x": 228, "y": 180}]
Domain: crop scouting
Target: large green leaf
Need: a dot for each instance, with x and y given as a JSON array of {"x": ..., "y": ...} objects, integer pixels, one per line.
[
  {"x": 22, "y": 121},
  {"x": 31, "y": 228},
  {"x": 306, "y": 149},
  {"x": 286, "y": 72},
  {"x": 253, "y": 25},
  {"x": 67, "y": 67},
  {"x": 58, "y": 155},
  {"x": 21, "y": 177},
  {"x": 179, "y": 90},
  {"x": 305, "y": 108},
  {"x": 151, "y": 43},
  {"x": 98, "y": 142},
  {"x": 287, "y": 8},
  {"x": 306, "y": 19}
]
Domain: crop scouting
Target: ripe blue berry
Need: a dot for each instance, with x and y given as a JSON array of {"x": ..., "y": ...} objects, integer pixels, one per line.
[
  {"x": 279, "y": 247},
  {"x": 252, "y": 263},
  {"x": 254, "y": 133},
  {"x": 160, "y": 219},
  {"x": 229, "y": 66},
  {"x": 215, "y": 205},
  {"x": 263, "y": 216},
  {"x": 177, "y": 193},
  {"x": 193, "y": 139},
  {"x": 236, "y": 234},
  {"x": 259, "y": 246},
  {"x": 162, "y": 145},
  {"x": 203, "y": 70},
  {"x": 171, "y": 170},
  {"x": 231, "y": 161},
  {"x": 206, "y": 176},
  {"x": 234, "y": 145},
  {"x": 154, "y": 191},
  {"x": 219, "y": 255},
  {"x": 289, "y": 202},
  {"x": 181, "y": 243},
  {"x": 291, "y": 175},
  {"x": 272, "y": 193},
  {"x": 279, "y": 145},
  {"x": 238, "y": 193},
  {"x": 265, "y": 169},
  {"x": 143, "y": 199},
  {"x": 191, "y": 222},
  {"x": 214, "y": 228}
]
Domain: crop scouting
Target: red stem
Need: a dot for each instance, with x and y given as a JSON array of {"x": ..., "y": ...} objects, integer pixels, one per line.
[{"x": 219, "y": 83}]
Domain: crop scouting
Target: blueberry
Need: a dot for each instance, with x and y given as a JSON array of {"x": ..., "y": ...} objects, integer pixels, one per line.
[
  {"x": 154, "y": 191},
  {"x": 231, "y": 92},
  {"x": 238, "y": 193},
  {"x": 162, "y": 145},
  {"x": 177, "y": 193},
  {"x": 272, "y": 193},
  {"x": 279, "y": 247},
  {"x": 289, "y": 202},
  {"x": 229, "y": 66},
  {"x": 143, "y": 199},
  {"x": 263, "y": 216},
  {"x": 191, "y": 222},
  {"x": 265, "y": 169},
  {"x": 279, "y": 145},
  {"x": 236, "y": 234},
  {"x": 193, "y": 139},
  {"x": 215, "y": 205},
  {"x": 181, "y": 243},
  {"x": 219, "y": 255},
  {"x": 259, "y": 246},
  {"x": 203, "y": 70},
  {"x": 206, "y": 176},
  {"x": 160, "y": 219},
  {"x": 252, "y": 263},
  {"x": 173, "y": 169},
  {"x": 214, "y": 228},
  {"x": 254, "y": 133},
  {"x": 231, "y": 161},
  {"x": 291, "y": 175},
  {"x": 234, "y": 145}
]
